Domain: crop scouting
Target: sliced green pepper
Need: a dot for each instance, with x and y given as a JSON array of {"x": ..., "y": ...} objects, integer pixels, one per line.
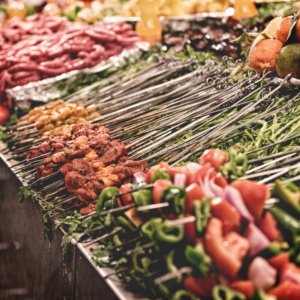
[
  {"x": 289, "y": 194},
  {"x": 108, "y": 223},
  {"x": 142, "y": 197},
  {"x": 116, "y": 240},
  {"x": 105, "y": 195},
  {"x": 183, "y": 295},
  {"x": 170, "y": 264},
  {"x": 236, "y": 166},
  {"x": 261, "y": 295},
  {"x": 149, "y": 227},
  {"x": 221, "y": 292},
  {"x": 285, "y": 219},
  {"x": 161, "y": 174},
  {"x": 170, "y": 234},
  {"x": 176, "y": 197},
  {"x": 126, "y": 224},
  {"x": 202, "y": 210},
  {"x": 197, "y": 257}
]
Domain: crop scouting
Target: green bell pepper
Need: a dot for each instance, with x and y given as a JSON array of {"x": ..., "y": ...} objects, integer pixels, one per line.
[
  {"x": 183, "y": 295},
  {"x": 142, "y": 197},
  {"x": 221, "y": 292},
  {"x": 126, "y": 224},
  {"x": 161, "y": 174},
  {"x": 149, "y": 228},
  {"x": 197, "y": 257},
  {"x": 176, "y": 197},
  {"x": 169, "y": 234},
  {"x": 236, "y": 166},
  {"x": 108, "y": 223},
  {"x": 202, "y": 210},
  {"x": 170, "y": 263},
  {"x": 105, "y": 195}
]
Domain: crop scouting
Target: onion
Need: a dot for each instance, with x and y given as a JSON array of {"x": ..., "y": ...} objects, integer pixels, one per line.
[
  {"x": 193, "y": 167},
  {"x": 262, "y": 274},
  {"x": 234, "y": 197},
  {"x": 206, "y": 185},
  {"x": 290, "y": 275},
  {"x": 139, "y": 176},
  {"x": 217, "y": 190},
  {"x": 258, "y": 240},
  {"x": 180, "y": 180}
]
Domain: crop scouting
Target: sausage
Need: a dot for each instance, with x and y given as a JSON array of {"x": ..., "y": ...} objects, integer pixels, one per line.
[
  {"x": 99, "y": 36},
  {"x": 77, "y": 47},
  {"x": 65, "y": 57},
  {"x": 99, "y": 49},
  {"x": 83, "y": 54},
  {"x": 127, "y": 41},
  {"x": 52, "y": 71},
  {"x": 55, "y": 51},
  {"x": 56, "y": 63},
  {"x": 21, "y": 75},
  {"x": 26, "y": 80},
  {"x": 28, "y": 66}
]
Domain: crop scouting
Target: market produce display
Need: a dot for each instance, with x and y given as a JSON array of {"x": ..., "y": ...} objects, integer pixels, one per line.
[{"x": 77, "y": 47}]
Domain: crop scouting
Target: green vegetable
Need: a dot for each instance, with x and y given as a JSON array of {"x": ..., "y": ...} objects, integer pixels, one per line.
[
  {"x": 105, "y": 195},
  {"x": 142, "y": 197},
  {"x": 288, "y": 194},
  {"x": 126, "y": 224},
  {"x": 197, "y": 257},
  {"x": 176, "y": 197},
  {"x": 170, "y": 262},
  {"x": 149, "y": 228},
  {"x": 183, "y": 295},
  {"x": 236, "y": 166},
  {"x": 202, "y": 210},
  {"x": 160, "y": 174},
  {"x": 285, "y": 219},
  {"x": 170, "y": 234},
  {"x": 221, "y": 292},
  {"x": 260, "y": 295}
]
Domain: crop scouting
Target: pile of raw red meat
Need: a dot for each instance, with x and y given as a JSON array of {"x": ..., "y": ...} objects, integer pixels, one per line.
[{"x": 50, "y": 46}]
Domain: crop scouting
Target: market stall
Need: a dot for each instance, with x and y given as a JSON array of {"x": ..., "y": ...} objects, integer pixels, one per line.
[{"x": 161, "y": 170}]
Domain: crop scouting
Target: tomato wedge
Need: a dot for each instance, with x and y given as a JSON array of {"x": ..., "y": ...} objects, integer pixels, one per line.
[
  {"x": 216, "y": 157},
  {"x": 194, "y": 192},
  {"x": 268, "y": 225},
  {"x": 290, "y": 271},
  {"x": 228, "y": 214},
  {"x": 278, "y": 261},
  {"x": 159, "y": 186},
  {"x": 201, "y": 287},
  {"x": 176, "y": 170},
  {"x": 149, "y": 176},
  {"x": 244, "y": 286},
  {"x": 127, "y": 199},
  {"x": 215, "y": 247},
  {"x": 190, "y": 230},
  {"x": 286, "y": 290},
  {"x": 254, "y": 196}
]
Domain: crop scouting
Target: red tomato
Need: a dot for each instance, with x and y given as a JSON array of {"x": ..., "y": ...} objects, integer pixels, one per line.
[
  {"x": 279, "y": 260},
  {"x": 149, "y": 176},
  {"x": 194, "y": 192},
  {"x": 268, "y": 225},
  {"x": 227, "y": 213},
  {"x": 243, "y": 286},
  {"x": 190, "y": 230},
  {"x": 254, "y": 195},
  {"x": 291, "y": 269},
  {"x": 159, "y": 186},
  {"x": 127, "y": 199},
  {"x": 215, "y": 247},
  {"x": 236, "y": 245},
  {"x": 216, "y": 157},
  {"x": 286, "y": 290},
  {"x": 176, "y": 170},
  {"x": 201, "y": 287},
  {"x": 4, "y": 114}
]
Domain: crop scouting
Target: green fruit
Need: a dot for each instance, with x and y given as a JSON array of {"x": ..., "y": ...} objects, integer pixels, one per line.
[{"x": 288, "y": 61}]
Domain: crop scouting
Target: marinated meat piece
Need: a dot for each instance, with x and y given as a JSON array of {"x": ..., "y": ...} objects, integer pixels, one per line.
[
  {"x": 89, "y": 209},
  {"x": 113, "y": 151},
  {"x": 74, "y": 181},
  {"x": 129, "y": 168},
  {"x": 84, "y": 194},
  {"x": 43, "y": 148}
]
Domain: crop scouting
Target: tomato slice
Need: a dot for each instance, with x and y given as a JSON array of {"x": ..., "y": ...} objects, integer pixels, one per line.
[
  {"x": 278, "y": 261},
  {"x": 190, "y": 230},
  {"x": 290, "y": 271},
  {"x": 159, "y": 186},
  {"x": 194, "y": 192},
  {"x": 127, "y": 199},
  {"x": 216, "y": 157},
  {"x": 268, "y": 225},
  {"x": 228, "y": 214},
  {"x": 4, "y": 114},
  {"x": 201, "y": 287},
  {"x": 201, "y": 173},
  {"x": 220, "y": 180},
  {"x": 215, "y": 247},
  {"x": 254, "y": 195},
  {"x": 176, "y": 170},
  {"x": 236, "y": 245},
  {"x": 149, "y": 176},
  {"x": 286, "y": 290},
  {"x": 244, "y": 286}
]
